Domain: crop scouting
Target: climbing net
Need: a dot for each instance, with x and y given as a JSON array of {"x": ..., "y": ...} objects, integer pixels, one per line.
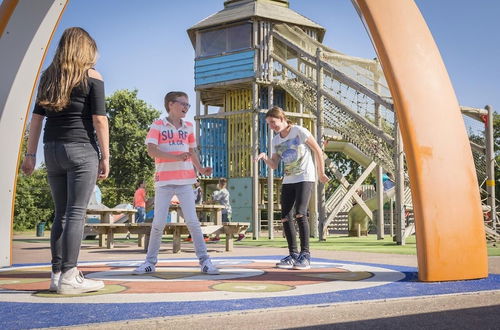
[
  {"x": 348, "y": 110},
  {"x": 348, "y": 87}
]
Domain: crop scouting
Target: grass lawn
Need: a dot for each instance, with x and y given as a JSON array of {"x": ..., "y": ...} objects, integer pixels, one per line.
[
  {"x": 359, "y": 244},
  {"x": 333, "y": 243},
  {"x": 343, "y": 243}
]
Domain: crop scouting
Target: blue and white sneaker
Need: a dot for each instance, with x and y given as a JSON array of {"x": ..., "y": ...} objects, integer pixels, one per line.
[
  {"x": 303, "y": 261},
  {"x": 288, "y": 262},
  {"x": 145, "y": 268}
]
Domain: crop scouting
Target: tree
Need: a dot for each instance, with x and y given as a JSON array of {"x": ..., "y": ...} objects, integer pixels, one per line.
[
  {"x": 129, "y": 121},
  {"x": 33, "y": 201}
]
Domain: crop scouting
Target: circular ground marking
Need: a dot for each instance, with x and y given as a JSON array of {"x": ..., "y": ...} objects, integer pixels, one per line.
[
  {"x": 181, "y": 280},
  {"x": 106, "y": 290},
  {"x": 251, "y": 287}
]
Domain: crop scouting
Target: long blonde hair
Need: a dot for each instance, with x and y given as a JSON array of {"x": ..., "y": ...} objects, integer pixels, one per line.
[{"x": 75, "y": 55}]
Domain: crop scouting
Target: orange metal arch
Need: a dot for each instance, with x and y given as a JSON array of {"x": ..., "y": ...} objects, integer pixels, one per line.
[{"x": 448, "y": 217}]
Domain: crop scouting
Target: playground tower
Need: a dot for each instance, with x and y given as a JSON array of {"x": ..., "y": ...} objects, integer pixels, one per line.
[{"x": 233, "y": 73}]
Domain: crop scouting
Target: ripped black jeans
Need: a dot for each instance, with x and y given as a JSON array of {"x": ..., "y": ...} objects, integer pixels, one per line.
[{"x": 296, "y": 196}]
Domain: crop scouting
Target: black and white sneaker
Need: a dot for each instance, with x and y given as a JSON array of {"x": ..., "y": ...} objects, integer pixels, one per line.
[
  {"x": 208, "y": 268},
  {"x": 145, "y": 268},
  {"x": 303, "y": 261},
  {"x": 288, "y": 262}
]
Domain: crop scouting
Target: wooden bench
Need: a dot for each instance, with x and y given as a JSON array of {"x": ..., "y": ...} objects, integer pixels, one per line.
[{"x": 230, "y": 229}]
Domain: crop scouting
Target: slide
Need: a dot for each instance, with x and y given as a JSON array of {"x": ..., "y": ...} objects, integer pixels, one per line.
[
  {"x": 358, "y": 220},
  {"x": 350, "y": 150}
]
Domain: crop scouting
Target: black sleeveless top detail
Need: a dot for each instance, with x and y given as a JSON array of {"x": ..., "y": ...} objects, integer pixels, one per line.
[{"x": 74, "y": 122}]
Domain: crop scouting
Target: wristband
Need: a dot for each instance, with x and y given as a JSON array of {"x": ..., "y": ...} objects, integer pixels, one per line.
[{"x": 30, "y": 155}]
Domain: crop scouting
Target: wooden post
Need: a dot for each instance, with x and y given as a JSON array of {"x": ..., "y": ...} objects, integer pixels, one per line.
[
  {"x": 197, "y": 120},
  {"x": 176, "y": 241},
  {"x": 490, "y": 166},
  {"x": 379, "y": 174},
  {"x": 319, "y": 137},
  {"x": 270, "y": 171},
  {"x": 255, "y": 168},
  {"x": 391, "y": 217},
  {"x": 400, "y": 188}
]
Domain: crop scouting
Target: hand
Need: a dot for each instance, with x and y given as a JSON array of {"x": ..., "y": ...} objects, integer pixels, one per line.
[
  {"x": 103, "y": 169},
  {"x": 184, "y": 156},
  {"x": 205, "y": 170},
  {"x": 28, "y": 165},
  {"x": 262, "y": 155},
  {"x": 323, "y": 178}
]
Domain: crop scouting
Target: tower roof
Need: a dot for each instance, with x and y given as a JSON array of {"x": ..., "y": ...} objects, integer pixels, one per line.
[{"x": 237, "y": 10}]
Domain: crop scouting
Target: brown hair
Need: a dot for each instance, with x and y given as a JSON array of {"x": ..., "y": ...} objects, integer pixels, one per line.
[
  {"x": 278, "y": 113},
  {"x": 222, "y": 182},
  {"x": 171, "y": 97},
  {"x": 75, "y": 55}
]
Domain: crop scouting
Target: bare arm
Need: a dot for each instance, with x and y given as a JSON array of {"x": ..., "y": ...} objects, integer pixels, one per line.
[
  {"x": 197, "y": 164},
  {"x": 318, "y": 157},
  {"x": 272, "y": 162},
  {"x": 155, "y": 152},
  {"x": 29, "y": 162},
  {"x": 102, "y": 130}
]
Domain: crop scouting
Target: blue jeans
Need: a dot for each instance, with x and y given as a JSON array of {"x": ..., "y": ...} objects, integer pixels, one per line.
[
  {"x": 72, "y": 173},
  {"x": 140, "y": 215}
]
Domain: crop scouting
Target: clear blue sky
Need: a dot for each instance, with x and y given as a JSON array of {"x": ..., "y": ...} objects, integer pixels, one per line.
[{"x": 144, "y": 44}]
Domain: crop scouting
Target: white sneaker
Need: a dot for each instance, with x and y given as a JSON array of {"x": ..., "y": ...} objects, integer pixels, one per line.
[
  {"x": 145, "y": 268},
  {"x": 73, "y": 282},
  {"x": 208, "y": 268},
  {"x": 54, "y": 281}
]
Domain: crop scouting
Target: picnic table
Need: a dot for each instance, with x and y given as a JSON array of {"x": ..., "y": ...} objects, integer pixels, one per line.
[
  {"x": 106, "y": 213},
  {"x": 215, "y": 226}
]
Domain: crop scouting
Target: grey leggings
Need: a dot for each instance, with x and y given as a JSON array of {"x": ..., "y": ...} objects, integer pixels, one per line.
[{"x": 72, "y": 173}]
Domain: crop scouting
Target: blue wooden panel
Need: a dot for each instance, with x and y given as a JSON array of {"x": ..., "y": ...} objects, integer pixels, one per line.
[
  {"x": 225, "y": 77},
  {"x": 225, "y": 58},
  {"x": 278, "y": 98},
  {"x": 213, "y": 67},
  {"x": 224, "y": 68},
  {"x": 263, "y": 98},
  {"x": 213, "y": 142}
]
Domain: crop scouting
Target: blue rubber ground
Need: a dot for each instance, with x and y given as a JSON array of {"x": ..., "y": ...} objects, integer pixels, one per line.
[{"x": 38, "y": 315}]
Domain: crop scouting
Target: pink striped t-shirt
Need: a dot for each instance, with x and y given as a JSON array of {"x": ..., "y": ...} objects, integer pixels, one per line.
[{"x": 175, "y": 141}]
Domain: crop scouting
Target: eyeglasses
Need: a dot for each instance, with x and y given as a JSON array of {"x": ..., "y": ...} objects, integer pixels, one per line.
[{"x": 184, "y": 104}]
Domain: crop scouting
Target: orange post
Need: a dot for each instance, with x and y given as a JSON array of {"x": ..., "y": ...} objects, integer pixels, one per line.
[{"x": 451, "y": 241}]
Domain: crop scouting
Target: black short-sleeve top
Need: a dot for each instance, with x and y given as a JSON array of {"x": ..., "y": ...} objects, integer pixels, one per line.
[{"x": 74, "y": 122}]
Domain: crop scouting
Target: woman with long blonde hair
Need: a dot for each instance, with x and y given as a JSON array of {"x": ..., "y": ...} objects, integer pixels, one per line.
[{"x": 76, "y": 149}]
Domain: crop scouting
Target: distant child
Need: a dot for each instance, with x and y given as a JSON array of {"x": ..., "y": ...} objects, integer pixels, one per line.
[
  {"x": 222, "y": 196},
  {"x": 140, "y": 202},
  {"x": 388, "y": 181},
  {"x": 198, "y": 193},
  {"x": 171, "y": 142},
  {"x": 296, "y": 147}
]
